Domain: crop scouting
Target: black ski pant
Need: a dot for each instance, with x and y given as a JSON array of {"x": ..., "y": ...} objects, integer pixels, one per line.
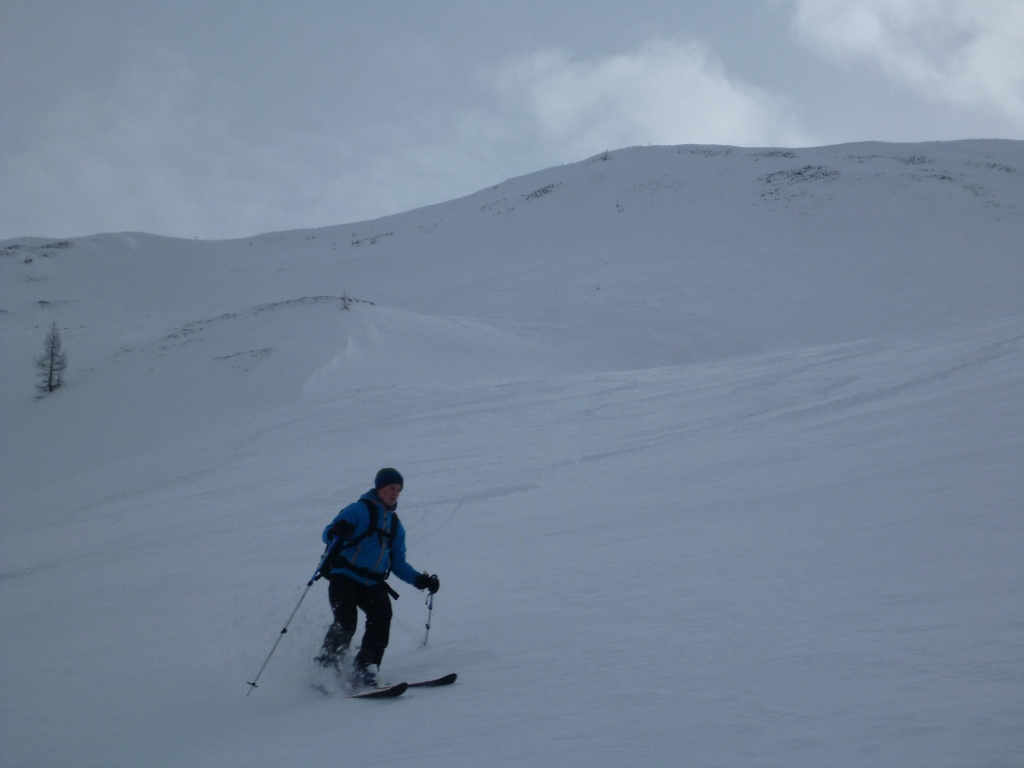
[{"x": 347, "y": 595}]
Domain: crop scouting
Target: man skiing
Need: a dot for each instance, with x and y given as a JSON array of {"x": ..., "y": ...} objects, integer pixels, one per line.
[{"x": 367, "y": 543}]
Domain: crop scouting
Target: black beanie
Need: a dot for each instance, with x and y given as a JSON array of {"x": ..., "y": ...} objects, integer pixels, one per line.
[{"x": 388, "y": 476}]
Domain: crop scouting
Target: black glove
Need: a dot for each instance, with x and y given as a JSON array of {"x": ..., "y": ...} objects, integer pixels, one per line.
[
  {"x": 426, "y": 581},
  {"x": 340, "y": 530}
]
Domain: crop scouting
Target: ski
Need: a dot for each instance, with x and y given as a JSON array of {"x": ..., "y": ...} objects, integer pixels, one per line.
[
  {"x": 391, "y": 691},
  {"x": 446, "y": 680},
  {"x": 388, "y": 692}
]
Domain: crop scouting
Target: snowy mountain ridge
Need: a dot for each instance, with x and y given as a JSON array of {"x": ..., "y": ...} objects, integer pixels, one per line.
[{"x": 717, "y": 451}]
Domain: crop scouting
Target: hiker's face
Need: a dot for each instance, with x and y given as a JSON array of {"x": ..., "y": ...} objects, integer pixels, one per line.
[{"x": 389, "y": 494}]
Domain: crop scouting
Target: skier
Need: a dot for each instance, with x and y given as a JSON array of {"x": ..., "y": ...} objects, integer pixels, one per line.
[{"x": 368, "y": 544}]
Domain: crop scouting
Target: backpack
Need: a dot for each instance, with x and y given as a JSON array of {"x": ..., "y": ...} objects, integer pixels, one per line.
[{"x": 336, "y": 560}]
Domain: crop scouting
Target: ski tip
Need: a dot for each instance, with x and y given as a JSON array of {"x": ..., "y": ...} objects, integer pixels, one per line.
[{"x": 446, "y": 680}]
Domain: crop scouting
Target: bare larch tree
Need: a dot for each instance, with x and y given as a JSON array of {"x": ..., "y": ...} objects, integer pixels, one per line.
[{"x": 51, "y": 363}]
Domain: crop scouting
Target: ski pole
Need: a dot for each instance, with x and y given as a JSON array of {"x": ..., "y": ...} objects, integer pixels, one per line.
[
  {"x": 316, "y": 575},
  {"x": 430, "y": 611}
]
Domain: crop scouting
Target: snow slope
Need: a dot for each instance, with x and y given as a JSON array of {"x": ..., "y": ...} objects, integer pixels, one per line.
[{"x": 717, "y": 451}]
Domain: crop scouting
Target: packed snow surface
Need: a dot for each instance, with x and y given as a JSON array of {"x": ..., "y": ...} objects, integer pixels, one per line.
[{"x": 718, "y": 453}]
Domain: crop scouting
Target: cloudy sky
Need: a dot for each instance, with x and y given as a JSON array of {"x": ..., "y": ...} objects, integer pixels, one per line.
[{"x": 218, "y": 119}]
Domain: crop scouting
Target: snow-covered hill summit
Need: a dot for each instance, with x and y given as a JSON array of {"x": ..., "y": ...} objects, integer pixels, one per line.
[
  {"x": 667, "y": 254},
  {"x": 718, "y": 452}
]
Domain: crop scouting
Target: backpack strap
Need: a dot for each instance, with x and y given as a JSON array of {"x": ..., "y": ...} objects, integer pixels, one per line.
[
  {"x": 366, "y": 573},
  {"x": 387, "y": 537},
  {"x": 371, "y": 526}
]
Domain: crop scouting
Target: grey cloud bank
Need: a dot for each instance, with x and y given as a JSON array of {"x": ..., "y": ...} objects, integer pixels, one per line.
[{"x": 222, "y": 121}]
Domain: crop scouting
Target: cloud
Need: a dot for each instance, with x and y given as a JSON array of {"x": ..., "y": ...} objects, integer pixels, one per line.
[
  {"x": 965, "y": 52},
  {"x": 162, "y": 149},
  {"x": 154, "y": 150},
  {"x": 664, "y": 93}
]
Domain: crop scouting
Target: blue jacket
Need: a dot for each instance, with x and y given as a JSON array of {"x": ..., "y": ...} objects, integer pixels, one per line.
[{"x": 371, "y": 553}]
